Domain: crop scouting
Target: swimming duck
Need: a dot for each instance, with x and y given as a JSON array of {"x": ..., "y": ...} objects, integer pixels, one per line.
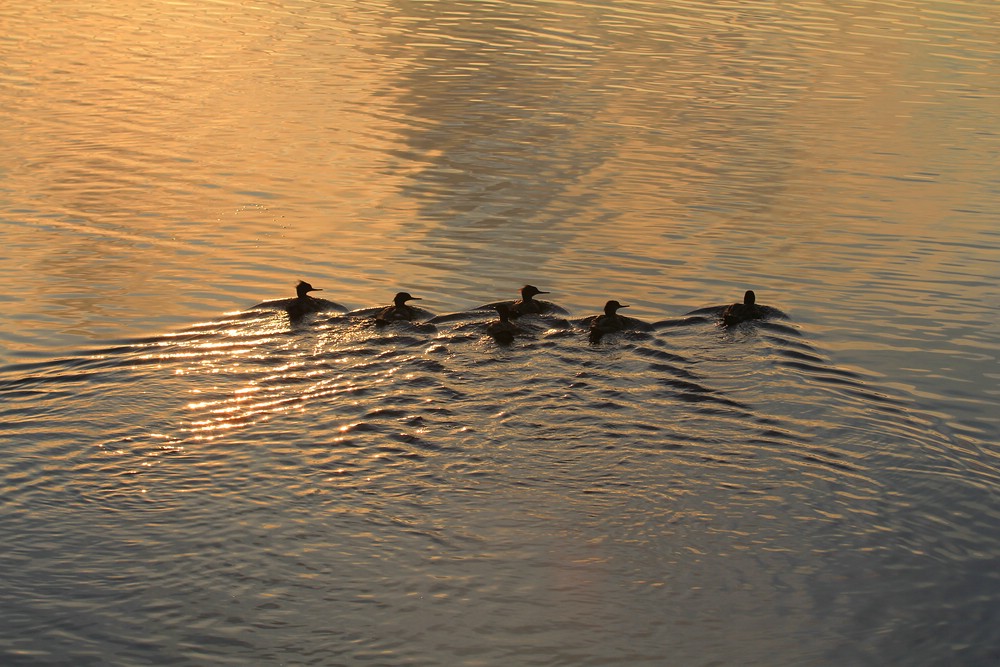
[
  {"x": 399, "y": 311},
  {"x": 503, "y": 330},
  {"x": 527, "y": 304},
  {"x": 741, "y": 312},
  {"x": 303, "y": 304},
  {"x": 610, "y": 321}
]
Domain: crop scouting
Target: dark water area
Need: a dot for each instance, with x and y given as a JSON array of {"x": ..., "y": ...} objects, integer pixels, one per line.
[
  {"x": 188, "y": 480},
  {"x": 334, "y": 492}
]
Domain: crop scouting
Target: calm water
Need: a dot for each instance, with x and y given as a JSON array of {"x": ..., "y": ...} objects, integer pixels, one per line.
[{"x": 185, "y": 482}]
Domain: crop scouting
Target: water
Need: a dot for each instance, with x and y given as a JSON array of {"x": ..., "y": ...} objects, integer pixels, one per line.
[{"x": 186, "y": 482}]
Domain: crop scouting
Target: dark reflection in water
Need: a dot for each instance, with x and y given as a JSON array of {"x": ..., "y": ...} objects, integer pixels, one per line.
[
  {"x": 414, "y": 496},
  {"x": 489, "y": 127},
  {"x": 535, "y": 125}
]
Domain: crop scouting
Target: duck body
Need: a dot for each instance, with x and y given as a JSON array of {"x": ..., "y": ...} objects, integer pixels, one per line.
[
  {"x": 610, "y": 321},
  {"x": 527, "y": 305},
  {"x": 303, "y": 304},
  {"x": 742, "y": 312},
  {"x": 399, "y": 311},
  {"x": 503, "y": 330}
]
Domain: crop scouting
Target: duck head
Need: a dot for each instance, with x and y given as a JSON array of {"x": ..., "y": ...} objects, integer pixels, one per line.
[
  {"x": 529, "y": 291},
  {"x": 611, "y": 307},
  {"x": 303, "y": 289},
  {"x": 402, "y": 297},
  {"x": 503, "y": 310}
]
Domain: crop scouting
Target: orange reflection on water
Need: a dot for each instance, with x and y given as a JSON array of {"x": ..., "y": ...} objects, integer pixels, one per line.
[{"x": 170, "y": 162}]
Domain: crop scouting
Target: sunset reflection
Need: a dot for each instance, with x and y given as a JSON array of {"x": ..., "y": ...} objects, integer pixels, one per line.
[{"x": 202, "y": 460}]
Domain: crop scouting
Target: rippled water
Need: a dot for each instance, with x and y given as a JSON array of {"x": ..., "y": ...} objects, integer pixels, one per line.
[{"x": 186, "y": 481}]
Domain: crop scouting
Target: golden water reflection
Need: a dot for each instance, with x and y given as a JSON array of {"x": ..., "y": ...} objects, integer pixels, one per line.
[
  {"x": 230, "y": 483},
  {"x": 170, "y": 162}
]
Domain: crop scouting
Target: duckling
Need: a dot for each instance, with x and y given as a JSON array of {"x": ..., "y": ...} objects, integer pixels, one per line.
[
  {"x": 741, "y": 312},
  {"x": 527, "y": 304},
  {"x": 610, "y": 321},
  {"x": 399, "y": 311},
  {"x": 303, "y": 304},
  {"x": 503, "y": 330}
]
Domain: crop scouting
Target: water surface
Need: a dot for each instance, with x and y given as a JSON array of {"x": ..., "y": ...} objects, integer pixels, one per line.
[{"x": 188, "y": 483}]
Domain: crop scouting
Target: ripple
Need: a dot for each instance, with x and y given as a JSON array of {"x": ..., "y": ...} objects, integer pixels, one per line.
[{"x": 217, "y": 494}]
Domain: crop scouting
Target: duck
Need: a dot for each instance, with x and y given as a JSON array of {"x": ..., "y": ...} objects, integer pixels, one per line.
[
  {"x": 303, "y": 304},
  {"x": 610, "y": 321},
  {"x": 741, "y": 312},
  {"x": 527, "y": 304},
  {"x": 503, "y": 330},
  {"x": 399, "y": 311}
]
